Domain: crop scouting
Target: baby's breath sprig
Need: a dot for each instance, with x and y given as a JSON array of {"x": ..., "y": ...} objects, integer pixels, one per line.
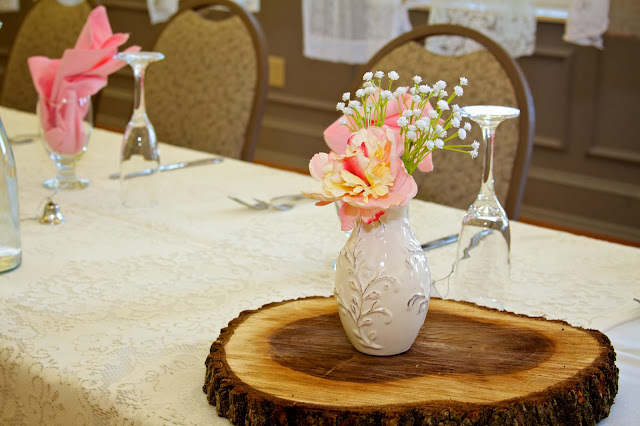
[{"x": 422, "y": 126}]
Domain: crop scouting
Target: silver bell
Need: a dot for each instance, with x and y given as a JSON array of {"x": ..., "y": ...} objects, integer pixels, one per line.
[{"x": 51, "y": 214}]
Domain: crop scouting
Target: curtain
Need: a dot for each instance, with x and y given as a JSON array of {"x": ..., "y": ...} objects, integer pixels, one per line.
[
  {"x": 351, "y": 31},
  {"x": 512, "y": 24},
  {"x": 162, "y": 10},
  {"x": 587, "y": 21}
]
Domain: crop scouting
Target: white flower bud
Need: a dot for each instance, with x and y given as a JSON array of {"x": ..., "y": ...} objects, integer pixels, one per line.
[{"x": 422, "y": 124}]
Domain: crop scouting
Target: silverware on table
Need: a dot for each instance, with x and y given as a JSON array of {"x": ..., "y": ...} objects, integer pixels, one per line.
[
  {"x": 168, "y": 167},
  {"x": 264, "y": 205},
  {"x": 21, "y": 139},
  {"x": 440, "y": 242}
]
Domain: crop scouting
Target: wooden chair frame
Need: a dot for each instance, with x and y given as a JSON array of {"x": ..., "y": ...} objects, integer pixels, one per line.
[
  {"x": 260, "y": 44},
  {"x": 521, "y": 88}
]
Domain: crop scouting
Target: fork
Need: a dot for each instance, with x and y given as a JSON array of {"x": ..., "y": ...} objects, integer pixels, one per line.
[
  {"x": 278, "y": 206},
  {"x": 262, "y": 205}
]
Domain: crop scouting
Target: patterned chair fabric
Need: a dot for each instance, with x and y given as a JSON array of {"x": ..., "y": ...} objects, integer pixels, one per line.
[
  {"x": 456, "y": 178},
  {"x": 209, "y": 91},
  {"x": 47, "y": 30}
]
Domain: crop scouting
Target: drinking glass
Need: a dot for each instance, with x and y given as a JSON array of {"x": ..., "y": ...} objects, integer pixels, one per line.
[
  {"x": 139, "y": 157},
  {"x": 482, "y": 267},
  {"x": 65, "y": 128}
]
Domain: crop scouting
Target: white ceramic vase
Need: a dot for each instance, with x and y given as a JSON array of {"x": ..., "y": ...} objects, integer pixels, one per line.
[{"x": 382, "y": 285}]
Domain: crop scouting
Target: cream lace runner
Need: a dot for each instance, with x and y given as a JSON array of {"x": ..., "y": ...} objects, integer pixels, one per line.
[
  {"x": 351, "y": 31},
  {"x": 110, "y": 317},
  {"x": 511, "y": 24},
  {"x": 588, "y": 20},
  {"x": 162, "y": 10}
]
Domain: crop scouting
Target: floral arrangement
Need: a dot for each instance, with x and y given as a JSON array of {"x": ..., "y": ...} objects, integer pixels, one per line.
[{"x": 382, "y": 137}]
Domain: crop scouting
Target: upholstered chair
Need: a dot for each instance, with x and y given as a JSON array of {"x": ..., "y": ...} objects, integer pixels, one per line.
[
  {"x": 209, "y": 91},
  {"x": 47, "y": 30},
  {"x": 495, "y": 79}
]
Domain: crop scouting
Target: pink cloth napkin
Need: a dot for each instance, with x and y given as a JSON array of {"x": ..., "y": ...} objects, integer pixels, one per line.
[{"x": 63, "y": 84}]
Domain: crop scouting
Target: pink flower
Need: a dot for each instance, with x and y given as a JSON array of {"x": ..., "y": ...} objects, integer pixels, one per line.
[
  {"x": 337, "y": 135},
  {"x": 368, "y": 177}
]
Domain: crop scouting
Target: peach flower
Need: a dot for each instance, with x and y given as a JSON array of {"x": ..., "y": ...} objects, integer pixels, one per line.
[
  {"x": 368, "y": 177},
  {"x": 337, "y": 134}
]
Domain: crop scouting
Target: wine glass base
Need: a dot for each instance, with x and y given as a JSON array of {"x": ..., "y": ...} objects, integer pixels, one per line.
[{"x": 65, "y": 185}]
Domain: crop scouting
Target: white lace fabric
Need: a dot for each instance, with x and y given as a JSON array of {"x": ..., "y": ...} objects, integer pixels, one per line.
[
  {"x": 162, "y": 10},
  {"x": 351, "y": 31},
  {"x": 511, "y": 24},
  {"x": 110, "y": 317},
  {"x": 9, "y": 5},
  {"x": 587, "y": 22}
]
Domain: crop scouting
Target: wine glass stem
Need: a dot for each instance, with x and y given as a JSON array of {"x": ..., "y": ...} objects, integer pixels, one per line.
[
  {"x": 488, "y": 135},
  {"x": 138, "y": 97}
]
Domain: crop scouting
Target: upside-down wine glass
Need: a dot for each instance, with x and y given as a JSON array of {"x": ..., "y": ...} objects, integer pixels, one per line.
[
  {"x": 482, "y": 267},
  {"x": 139, "y": 157}
]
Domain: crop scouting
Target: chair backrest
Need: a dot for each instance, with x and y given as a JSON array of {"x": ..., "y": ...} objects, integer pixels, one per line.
[
  {"x": 209, "y": 91},
  {"x": 47, "y": 30},
  {"x": 494, "y": 79}
]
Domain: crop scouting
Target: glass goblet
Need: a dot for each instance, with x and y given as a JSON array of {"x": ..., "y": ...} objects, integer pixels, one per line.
[
  {"x": 139, "y": 157},
  {"x": 482, "y": 267},
  {"x": 65, "y": 128}
]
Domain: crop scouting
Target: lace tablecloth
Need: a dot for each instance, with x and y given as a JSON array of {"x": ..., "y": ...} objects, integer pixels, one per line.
[{"x": 110, "y": 316}]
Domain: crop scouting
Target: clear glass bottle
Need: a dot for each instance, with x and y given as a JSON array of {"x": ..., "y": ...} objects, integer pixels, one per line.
[{"x": 10, "y": 248}]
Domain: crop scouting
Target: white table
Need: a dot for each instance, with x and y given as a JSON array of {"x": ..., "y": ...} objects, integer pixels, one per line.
[{"x": 110, "y": 316}]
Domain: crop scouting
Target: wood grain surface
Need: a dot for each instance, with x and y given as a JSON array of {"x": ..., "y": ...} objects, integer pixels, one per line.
[{"x": 291, "y": 363}]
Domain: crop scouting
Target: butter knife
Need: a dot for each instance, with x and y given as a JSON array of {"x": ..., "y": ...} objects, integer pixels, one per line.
[
  {"x": 168, "y": 167},
  {"x": 440, "y": 242}
]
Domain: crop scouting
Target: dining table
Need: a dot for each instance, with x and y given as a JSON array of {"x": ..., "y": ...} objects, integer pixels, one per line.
[{"x": 111, "y": 315}]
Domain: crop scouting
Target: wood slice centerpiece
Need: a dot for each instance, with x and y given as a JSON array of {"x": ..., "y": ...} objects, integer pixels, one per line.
[{"x": 291, "y": 363}]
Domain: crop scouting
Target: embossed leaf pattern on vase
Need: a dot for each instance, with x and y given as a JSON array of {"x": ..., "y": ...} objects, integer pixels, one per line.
[{"x": 382, "y": 285}]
